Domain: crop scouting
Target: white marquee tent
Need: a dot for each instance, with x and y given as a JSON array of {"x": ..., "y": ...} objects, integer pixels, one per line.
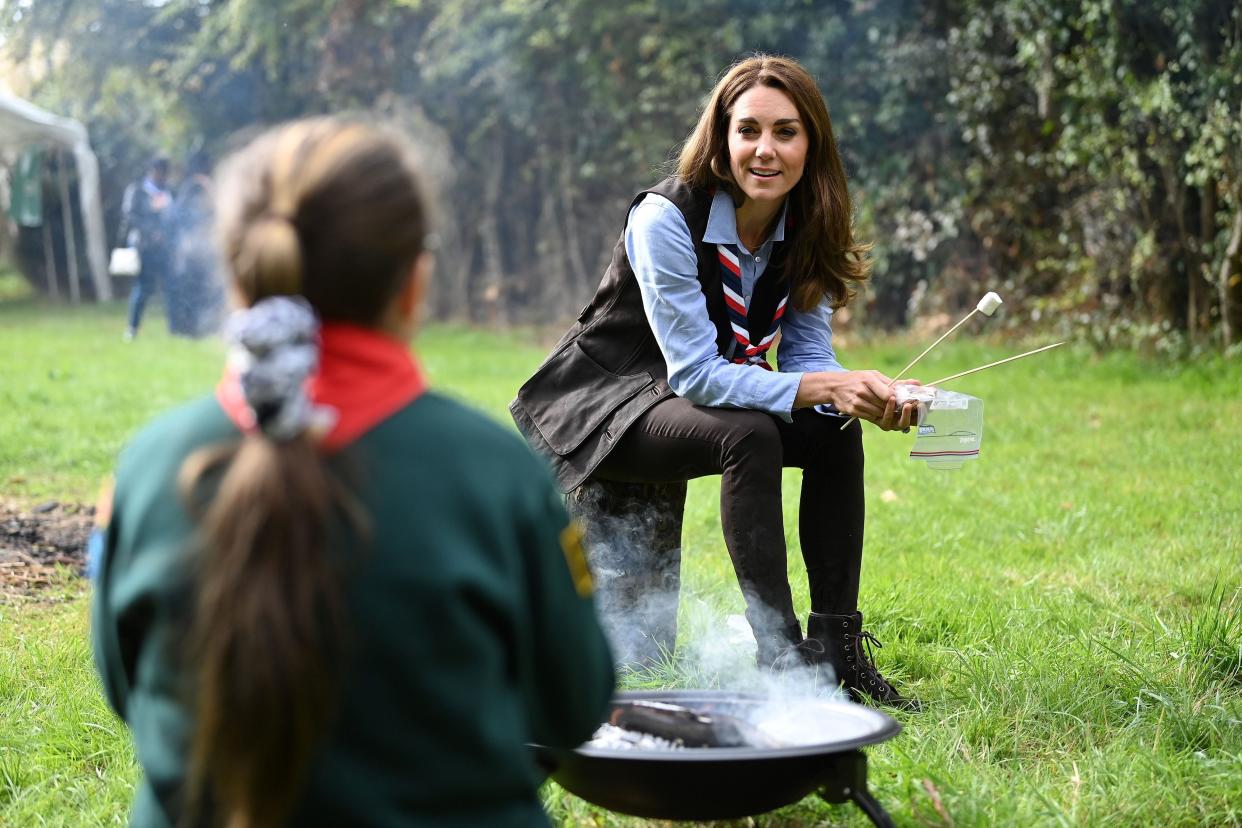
[{"x": 23, "y": 125}]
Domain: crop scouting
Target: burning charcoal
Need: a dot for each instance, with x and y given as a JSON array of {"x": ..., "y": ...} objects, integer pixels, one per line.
[
  {"x": 683, "y": 726},
  {"x": 608, "y": 737}
]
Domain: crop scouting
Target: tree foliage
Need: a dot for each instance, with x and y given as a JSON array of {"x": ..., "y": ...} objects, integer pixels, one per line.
[{"x": 1084, "y": 157}]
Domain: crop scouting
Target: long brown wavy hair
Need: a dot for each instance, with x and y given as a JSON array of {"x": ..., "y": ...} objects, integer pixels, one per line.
[
  {"x": 332, "y": 211},
  {"x": 824, "y": 260}
]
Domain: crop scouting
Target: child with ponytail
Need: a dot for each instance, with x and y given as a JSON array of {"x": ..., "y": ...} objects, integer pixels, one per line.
[{"x": 327, "y": 595}]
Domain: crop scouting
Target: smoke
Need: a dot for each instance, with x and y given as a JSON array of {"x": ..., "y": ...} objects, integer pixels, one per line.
[
  {"x": 633, "y": 534},
  {"x": 719, "y": 653}
]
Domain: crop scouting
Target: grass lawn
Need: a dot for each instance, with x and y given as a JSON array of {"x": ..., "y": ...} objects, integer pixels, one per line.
[{"x": 1070, "y": 605}]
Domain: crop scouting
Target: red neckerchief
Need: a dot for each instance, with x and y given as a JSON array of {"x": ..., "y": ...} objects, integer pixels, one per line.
[{"x": 364, "y": 377}]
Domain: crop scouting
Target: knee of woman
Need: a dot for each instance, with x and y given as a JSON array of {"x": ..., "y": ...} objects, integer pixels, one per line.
[
  {"x": 828, "y": 444},
  {"x": 755, "y": 437}
]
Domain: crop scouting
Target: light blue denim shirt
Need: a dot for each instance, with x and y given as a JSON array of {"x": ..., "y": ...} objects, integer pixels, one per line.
[{"x": 662, "y": 254}]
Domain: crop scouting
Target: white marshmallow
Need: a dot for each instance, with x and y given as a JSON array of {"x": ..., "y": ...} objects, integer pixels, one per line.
[{"x": 988, "y": 304}]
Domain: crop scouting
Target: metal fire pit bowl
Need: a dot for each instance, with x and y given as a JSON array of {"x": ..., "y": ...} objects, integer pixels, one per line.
[{"x": 726, "y": 783}]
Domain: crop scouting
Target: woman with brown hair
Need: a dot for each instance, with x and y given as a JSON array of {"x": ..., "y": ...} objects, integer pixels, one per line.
[
  {"x": 665, "y": 377},
  {"x": 329, "y": 596}
]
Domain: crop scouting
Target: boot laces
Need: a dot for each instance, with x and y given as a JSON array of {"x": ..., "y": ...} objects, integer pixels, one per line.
[
  {"x": 867, "y": 639},
  {"x": 867, "y": 657},
  {"x": 870, "y": 681},
  {"x": 798, "y": 655}
]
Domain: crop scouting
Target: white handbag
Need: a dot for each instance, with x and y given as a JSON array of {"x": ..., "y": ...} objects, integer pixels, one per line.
[{"x": 124, "y": 262}]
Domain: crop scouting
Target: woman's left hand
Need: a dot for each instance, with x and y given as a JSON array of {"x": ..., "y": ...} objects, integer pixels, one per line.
[{"x": 902, "y": 418}]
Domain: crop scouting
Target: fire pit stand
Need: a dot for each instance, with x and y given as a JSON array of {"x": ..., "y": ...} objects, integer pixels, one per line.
[
  {"x": 847, "y": 775},
  {"x": 727, "y": 782}
]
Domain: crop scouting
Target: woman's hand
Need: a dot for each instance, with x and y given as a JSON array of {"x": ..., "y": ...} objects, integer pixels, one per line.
[
  {"x": 863, "y": 394},
  {"x": 895, "y": 418}
]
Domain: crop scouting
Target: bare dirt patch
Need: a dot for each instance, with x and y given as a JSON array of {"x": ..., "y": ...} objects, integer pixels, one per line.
[{"x": 39, "y": 542}]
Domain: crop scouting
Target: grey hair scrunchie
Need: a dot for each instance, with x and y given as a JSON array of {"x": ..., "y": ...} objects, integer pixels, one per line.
[{"x": 274, "y": 347}]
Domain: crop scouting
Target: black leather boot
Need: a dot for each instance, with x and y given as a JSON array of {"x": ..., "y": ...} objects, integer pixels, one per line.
[
  {"x": 780, "y": 650},
  {"x": 842, "y": 637}
]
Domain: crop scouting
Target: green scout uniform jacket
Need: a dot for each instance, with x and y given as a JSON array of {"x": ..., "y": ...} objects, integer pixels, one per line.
[{"x": 471, "y": 631}]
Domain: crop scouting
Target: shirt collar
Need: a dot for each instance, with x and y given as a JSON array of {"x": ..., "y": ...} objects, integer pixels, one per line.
[{"x": 722, "y": 221}]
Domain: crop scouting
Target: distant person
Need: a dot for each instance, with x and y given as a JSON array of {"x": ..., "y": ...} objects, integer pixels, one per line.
[
  {"x": 195, "y": 297},
  {"x": 145, "y": 211},
  {"x": 329, "y": 596},
  {"x": 667, "y": 377}
]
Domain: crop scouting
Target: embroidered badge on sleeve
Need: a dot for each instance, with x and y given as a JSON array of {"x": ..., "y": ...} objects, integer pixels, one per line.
[{"x": 575, "y": 556}]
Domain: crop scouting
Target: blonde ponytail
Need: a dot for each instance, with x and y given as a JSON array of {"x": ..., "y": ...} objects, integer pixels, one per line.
[{"x": 269, "y": 259}]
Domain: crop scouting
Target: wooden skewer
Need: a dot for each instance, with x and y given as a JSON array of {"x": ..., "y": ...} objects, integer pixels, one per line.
[
  {"x": 902, "y": 372},
  {"x": 994, "y": 364},
  {"x": 933, "y": 345}
]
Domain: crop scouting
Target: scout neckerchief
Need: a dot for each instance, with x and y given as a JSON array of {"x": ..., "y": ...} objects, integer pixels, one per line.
[
  {"x": 751, "y": 352},
  {"x": 363, "y": 378}
]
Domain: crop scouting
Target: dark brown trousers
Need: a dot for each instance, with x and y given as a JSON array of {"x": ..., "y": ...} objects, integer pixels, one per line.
[{"x": 633, "y": 506}]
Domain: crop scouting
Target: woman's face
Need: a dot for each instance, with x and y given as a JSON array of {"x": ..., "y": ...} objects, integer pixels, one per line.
[{"x": 767, "y": 144}]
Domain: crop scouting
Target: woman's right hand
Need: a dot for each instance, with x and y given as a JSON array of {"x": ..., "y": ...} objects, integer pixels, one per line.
[{"x": 862, "y": 394}]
